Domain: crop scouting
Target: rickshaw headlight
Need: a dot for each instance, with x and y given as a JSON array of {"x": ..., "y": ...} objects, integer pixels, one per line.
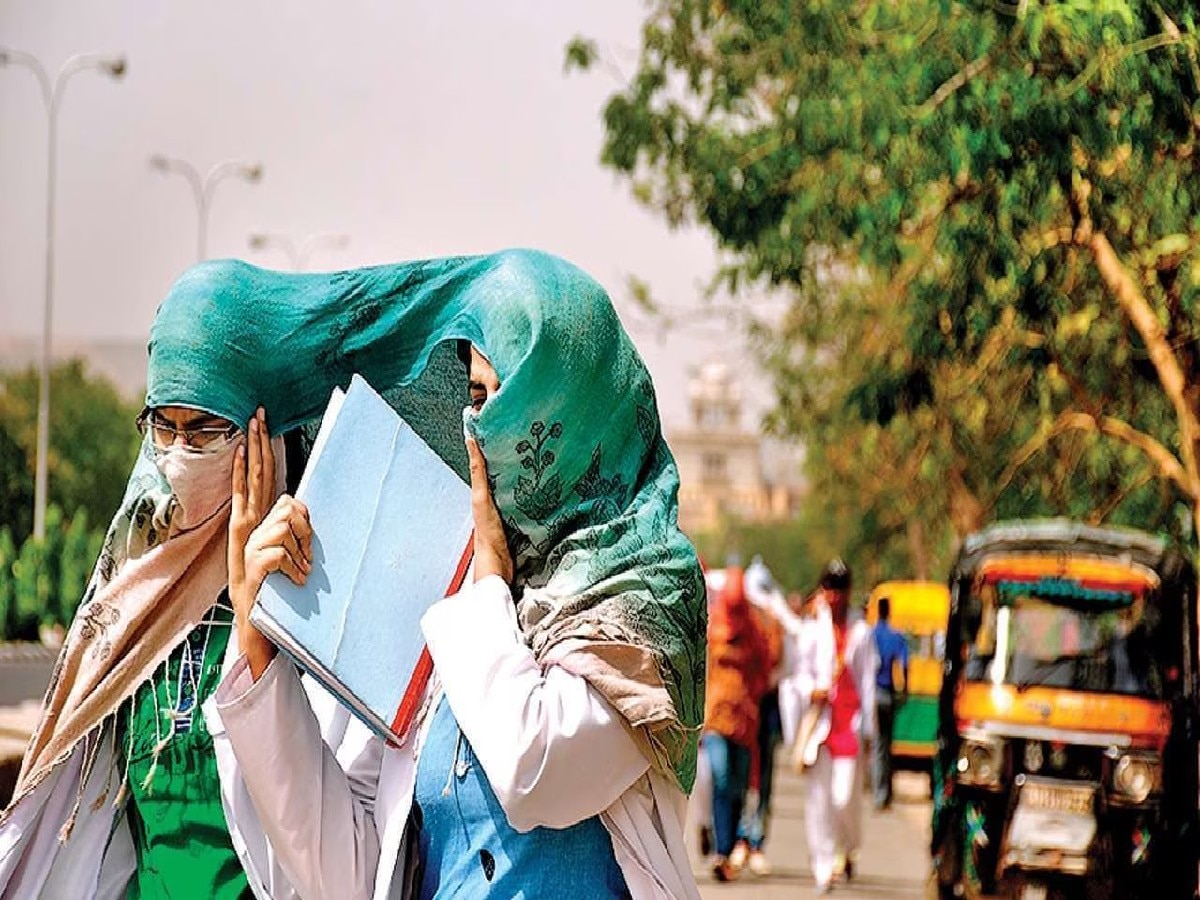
[
  {"x": 981, "y": 762},
  {"x": 1137, "y": 776}
]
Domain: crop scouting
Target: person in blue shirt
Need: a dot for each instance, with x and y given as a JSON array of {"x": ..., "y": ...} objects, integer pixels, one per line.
[{"x": 890, "y": 648}]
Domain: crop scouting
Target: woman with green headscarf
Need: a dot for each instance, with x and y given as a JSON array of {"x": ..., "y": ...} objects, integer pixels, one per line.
[
  {"x": 558, "y": 738},
  {"x": 119, "y": 793}
]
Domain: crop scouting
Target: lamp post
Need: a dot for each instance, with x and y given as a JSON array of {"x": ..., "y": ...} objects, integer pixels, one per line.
[
  {"x": 52, "y": 92},
  {"x": 297, "y": 254},
  {"x": 203, "y": 187}
]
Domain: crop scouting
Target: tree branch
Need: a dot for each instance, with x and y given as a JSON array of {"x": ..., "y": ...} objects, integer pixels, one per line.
[
  {"x": 1170, "y": 373},
  {"x": 1099, "y": 515},
  {"x": 1024, "y": 454},
  {"x": 910, "y": 228},
  {"x": 1168, "y": 465},
  {"x": 1163, "y": 459},
  {"x": 944, "y": 92},
  {"x": 1120, "y": 54},
  {"x": 1172, "y": 29}
]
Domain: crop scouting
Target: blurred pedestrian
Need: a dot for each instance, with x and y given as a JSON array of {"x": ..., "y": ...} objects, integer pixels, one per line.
[
  {"x": 738, "y": 671},
  {"x": 767, "y": 605},
  {"x": 700, "y": 802},
  {"x": 891, "y": 650},
  {"x": 800, "y": 629},
  {"x": 839, "y": 664}
]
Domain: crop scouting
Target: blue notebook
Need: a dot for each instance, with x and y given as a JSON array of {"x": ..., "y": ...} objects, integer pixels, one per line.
[{"x": 391, "y": 536}]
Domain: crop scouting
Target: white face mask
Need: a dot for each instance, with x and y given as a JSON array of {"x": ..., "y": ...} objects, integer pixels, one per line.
[{"x": 200, "y": 480}]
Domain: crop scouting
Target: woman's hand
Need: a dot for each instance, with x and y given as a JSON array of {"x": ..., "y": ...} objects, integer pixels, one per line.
[
  {"x": 262, "y": 542},
  {"x": 491, "y": 547}
]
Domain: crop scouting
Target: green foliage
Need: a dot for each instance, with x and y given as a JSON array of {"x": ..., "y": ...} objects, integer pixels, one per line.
[
  {"x": 16, "y": 485},
  {"x": 796, "y": 551},
  {"x": 925, "y": 178},
  {"x": 92, "y": 444},
  {"x": 32, "y": 583},
  {"x": 8, "y": 610},
  {"x": 580, "y": 55},
  {"x": 80, "y": 548},
  {"x": 43, "y": 582},
  {"x": 785, "y": 548}
]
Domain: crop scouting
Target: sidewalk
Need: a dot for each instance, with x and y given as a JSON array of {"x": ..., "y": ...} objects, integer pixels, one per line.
[{"x": 894, "y": 861}]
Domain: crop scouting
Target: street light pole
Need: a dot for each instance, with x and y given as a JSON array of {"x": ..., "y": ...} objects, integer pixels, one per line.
[
  {"x": 202, "y": 188},
  {"x": 297, "y": 254},
  {"x": 52, "y": 92}
]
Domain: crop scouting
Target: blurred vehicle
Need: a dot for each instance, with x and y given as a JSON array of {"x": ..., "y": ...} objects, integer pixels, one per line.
[
  {"x": 1067, "y": 763},
  {"x": 919, "y": 610}
]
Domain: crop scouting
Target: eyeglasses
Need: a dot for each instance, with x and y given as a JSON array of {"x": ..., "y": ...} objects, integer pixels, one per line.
[{"x": 165, "y": 434}]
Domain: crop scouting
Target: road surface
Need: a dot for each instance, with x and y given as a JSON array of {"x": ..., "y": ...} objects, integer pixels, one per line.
[{"x": 893, "y": 863}]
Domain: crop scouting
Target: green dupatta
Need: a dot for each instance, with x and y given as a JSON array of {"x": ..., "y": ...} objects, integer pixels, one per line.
[{"x": 580, "y": 471}]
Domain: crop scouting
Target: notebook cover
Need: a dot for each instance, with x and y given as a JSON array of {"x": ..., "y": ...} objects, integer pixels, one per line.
[{"x": 391, "y": 536}]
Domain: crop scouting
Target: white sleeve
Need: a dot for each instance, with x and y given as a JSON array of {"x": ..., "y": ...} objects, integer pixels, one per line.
[
  {"x": 315, "y": 807},
  {"x": 824, "y": 653},
  {"x": 553, "y": 749}
]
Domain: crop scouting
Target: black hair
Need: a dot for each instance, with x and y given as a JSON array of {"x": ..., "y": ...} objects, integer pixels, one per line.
[
  {"x": 885, "y": 608},
  {"x": 463, "y": 349},
  {"x": 835, "y": 576},
  {"x": 295, "y": 453}
]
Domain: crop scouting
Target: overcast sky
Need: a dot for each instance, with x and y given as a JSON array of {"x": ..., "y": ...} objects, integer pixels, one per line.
[{"x": 423, "y": 128}]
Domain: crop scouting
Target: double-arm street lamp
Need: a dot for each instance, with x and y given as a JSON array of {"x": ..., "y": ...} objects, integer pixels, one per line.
[
  {"x": 203, "y": 187},
  {"x": 52, "y": 92},
  {"x": 298, "y": 254}
]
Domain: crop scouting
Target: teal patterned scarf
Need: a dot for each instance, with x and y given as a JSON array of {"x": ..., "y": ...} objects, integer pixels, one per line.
[{"x": 607, "y": 585}]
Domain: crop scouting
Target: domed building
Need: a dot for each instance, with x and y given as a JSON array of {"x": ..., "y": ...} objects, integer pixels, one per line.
[{"x": 722, "y": 464}]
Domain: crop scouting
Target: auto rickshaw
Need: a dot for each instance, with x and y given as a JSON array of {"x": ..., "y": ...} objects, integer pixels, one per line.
[
  {"x": 1067, "y": 729},
  {"x": 919, "y": 612}
]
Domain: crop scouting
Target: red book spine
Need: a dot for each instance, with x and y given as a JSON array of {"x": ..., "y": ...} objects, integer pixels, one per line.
[{"x": 420, "y": 679}]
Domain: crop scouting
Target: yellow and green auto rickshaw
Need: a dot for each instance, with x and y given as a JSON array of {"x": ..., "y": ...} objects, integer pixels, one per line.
[
  {"x": 1068, "y": 720},
  {"x": 919, "y": 610}
]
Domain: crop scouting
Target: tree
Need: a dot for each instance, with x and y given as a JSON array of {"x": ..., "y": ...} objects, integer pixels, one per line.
[
  {"x": 921, "y": 456},
  {"x": 9, "y": 624},
  {"x": 16, "y": 485},
  {"x": 997, "y": 200},
  {"x": 42, "y": 582},
  {"x": 92, "y": 445}
]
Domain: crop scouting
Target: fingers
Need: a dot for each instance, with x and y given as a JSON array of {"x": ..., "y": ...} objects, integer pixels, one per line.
[
  {"x": 492, "y": 556},
  {"x": 289, "y": 520},
  {"x": 239, "y": 527},
  {"x": 256, "y": 506},
  {"x": 295, "y": 534},
  {"x": 487, "y": 519},
  {"x": 280, "y": 534},
  {"x": 291, "y": 514},
  {"x": 238, "y": 485},
  {"x": 283, "y": 542},
  {"x": 278, "y": 559},
  {"x": 301, "y": 527},
  {"x": 479, "y": 483},
  {"x": 267, "y": 460}
]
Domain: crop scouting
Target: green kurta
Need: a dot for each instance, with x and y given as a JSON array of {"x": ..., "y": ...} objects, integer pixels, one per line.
[{"x": 179, "y": 829}]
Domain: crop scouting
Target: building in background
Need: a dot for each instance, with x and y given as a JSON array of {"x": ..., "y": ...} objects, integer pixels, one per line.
[{"x": 727, "y": 470}]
